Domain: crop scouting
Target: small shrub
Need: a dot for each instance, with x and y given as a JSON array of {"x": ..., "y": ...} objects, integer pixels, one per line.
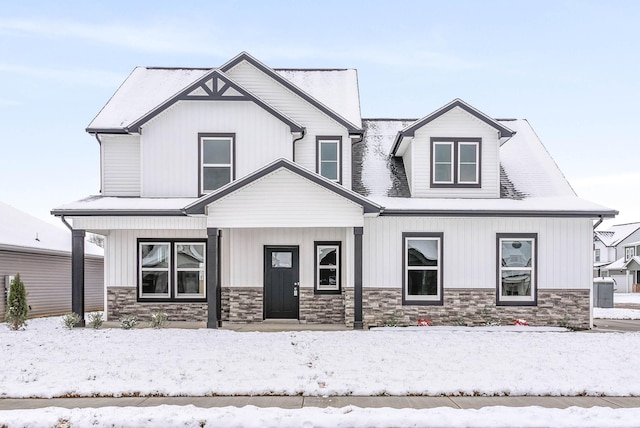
[
  {"x": 18, "y": 308},
  {"x": 95, "y": 320},
  {"x": 392, "y": 321},
  {"x": 71, "y": 320},
  {"x": 128, "y": 322},
  {"x": 159, "y": 320}
]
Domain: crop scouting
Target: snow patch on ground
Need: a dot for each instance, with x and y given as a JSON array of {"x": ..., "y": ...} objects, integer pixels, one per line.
[{"x": 250, "y": 416}]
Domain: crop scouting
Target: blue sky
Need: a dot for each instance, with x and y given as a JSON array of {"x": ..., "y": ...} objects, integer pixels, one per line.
[{"x": 570, "y": 67}]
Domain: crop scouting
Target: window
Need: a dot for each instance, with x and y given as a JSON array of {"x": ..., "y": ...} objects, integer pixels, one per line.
[
  {"x": 455, "y": 162},
  {"x": 171, "y": 270},
  {"x": 329, "y": 160},
  {"x": 422, "y": 272},
  {"x": 216, "y": 161},
  {"x": 629, "y": 253},
  {"x": 597, "y": 254},
  {"x": 327, "y": 268},
  {"x": 516, "y": 269}
]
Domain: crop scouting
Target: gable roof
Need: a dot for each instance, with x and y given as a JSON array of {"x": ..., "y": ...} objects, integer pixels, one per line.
[
  {"x": 616, "y": 233},
  {"x": 213, "y": 85},
  {"x": 198, "y": 207},
  {"x": 244, "y": 56},
  {"x": 20, "y": 231},
  {"x": 410, "y": 130}
]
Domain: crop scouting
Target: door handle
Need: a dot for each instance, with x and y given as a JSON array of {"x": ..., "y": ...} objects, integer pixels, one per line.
[{"x": 295, "y": 289}]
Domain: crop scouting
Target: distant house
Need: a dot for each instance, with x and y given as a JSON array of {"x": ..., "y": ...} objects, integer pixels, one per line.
[
  {"x": 617, "y": 255},
  {"x": 244, "y": 193},
  {"x": 41, "y": 253}
]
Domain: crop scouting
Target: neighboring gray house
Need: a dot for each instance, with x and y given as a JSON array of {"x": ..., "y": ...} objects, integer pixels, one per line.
[
  {"x": 617, "y": 255},
  {"x": 41, "y": 253},
  {"x": 244, "y": 193}
]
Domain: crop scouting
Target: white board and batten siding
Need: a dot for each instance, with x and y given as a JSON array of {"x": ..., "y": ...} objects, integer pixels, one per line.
[
  {"x": 121, "y": 252},
  {"x": 284, "y": 199},
  {"x": 469, "y": 246},
  {"x": 293, "y": 106},
  {"x": 243, "y": 253},
  {"x": 456, "y": 123},
  {"x": 47, "y": 279},
  {"x": 120, "y": 165},
  {"x": 170, "y": 143}
]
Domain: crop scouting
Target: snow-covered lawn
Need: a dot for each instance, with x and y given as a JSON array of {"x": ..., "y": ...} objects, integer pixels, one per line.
[
  {"x": 48, "y": 360},
  {"x": 620, "y": 313},
  {"x": 250, "y": 416}
]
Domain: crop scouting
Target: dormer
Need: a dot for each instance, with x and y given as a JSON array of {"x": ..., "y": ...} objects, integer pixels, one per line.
[{"x": 452, "y": 153}]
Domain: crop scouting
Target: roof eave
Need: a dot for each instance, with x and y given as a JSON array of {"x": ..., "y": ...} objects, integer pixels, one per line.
[
  {"x": 117, "y": 213},
  {"x": 497, "y": 213}
]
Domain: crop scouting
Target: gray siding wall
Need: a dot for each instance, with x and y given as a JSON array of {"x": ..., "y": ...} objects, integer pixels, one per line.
[{"x": 47, "y": 279}]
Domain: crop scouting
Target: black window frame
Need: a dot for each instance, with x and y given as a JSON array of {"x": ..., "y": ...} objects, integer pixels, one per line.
[
  {"x": 439, "y": 300},
  {"x": 455, "y": 142},
  {"x": 172, "y": 269},
  {"x": 331, "y": 138},
  {"x": 500, "y": 300},
  {"x": 317, "y": 244},
  {"x": 212, "y": 135}
]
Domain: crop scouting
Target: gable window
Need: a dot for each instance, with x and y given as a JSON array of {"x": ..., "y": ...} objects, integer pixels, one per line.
[
  {"x": 455, "y": 162},
  {"x": 216, "y": 161},
  {"x": 517, "y": 255},
  {"x": 629, "y": 253},
  {"x": 327, "y": 268},
  {"x": 329, "y": 159},
  {"x": 422, "y": 271},
  {"x": 171, "y": 270}
]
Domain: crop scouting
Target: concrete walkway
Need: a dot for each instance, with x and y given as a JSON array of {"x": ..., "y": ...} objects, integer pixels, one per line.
[{"x": 297, "y": 402}]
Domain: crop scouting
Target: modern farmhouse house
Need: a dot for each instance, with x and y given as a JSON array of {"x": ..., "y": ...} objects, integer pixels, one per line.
[{"x": 245, "y": 193}]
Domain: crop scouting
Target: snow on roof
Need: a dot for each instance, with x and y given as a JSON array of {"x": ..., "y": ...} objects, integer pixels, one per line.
[
  {"x": 148, "y": 87},
  {"x": 528, "y": 164},
  {"x": 617, "y": 265},
  {"x": 335, "y": 88},
  {"x": 141, "y": 92},
  {"x": 21, "y": 231},
  {"x": 114, "y": 203},
  {"x": 617, "y": 233}
]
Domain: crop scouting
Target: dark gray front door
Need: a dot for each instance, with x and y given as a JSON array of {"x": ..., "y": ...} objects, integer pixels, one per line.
[{"x": 281, "y": 276}]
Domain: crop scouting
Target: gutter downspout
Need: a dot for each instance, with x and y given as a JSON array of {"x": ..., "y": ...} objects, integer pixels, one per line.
[
  {"x": 66, "y": 223},
  {"x": 293, "y": 143},
  {"x": 598, "y": 223},
  {"x": 100, "y": 144}
]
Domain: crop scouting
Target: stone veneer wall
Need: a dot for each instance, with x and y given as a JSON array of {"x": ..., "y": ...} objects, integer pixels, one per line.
[
  {"x": 122, "y": 301},
  {"x": 321, "y": 308},
  {"x": 472, "y": 307},
  {"x": 242, "y": 304}
]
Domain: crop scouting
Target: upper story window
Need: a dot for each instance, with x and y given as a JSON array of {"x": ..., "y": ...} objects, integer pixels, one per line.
[
  {"x": 329, "y": 159},
  {"x": 629, "y": 253},
  {"x": 216, "y": 161},
  {"x": 516, "y": 269},
  {"x": 597, "y": 254},
  {"x": 455, "y": 162},
  {"x": 422, "y": 271}
]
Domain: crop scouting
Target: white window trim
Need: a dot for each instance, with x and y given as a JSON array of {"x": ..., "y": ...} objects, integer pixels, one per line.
[
  {"x": 172, "y": 294},
  {"x": 477, "y": 162},
  {"x": 422, "y": 298},
  {"x": 215, "y": 165},
  {"x": 325, "y": 288},
  {"x": 202, "y": 270},
  {"x": 452, "y": 153},
  {"x": 338, "y": 161},
  {"x": 629, "y": 253},
  {"x": 532, "y": 269},
  {"x": 597, "y": 254},
  {"x": 141, "y": 270}
]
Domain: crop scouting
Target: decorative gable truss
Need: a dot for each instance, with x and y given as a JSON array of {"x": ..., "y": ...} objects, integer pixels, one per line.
[{"x": 214, "y": 86}]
